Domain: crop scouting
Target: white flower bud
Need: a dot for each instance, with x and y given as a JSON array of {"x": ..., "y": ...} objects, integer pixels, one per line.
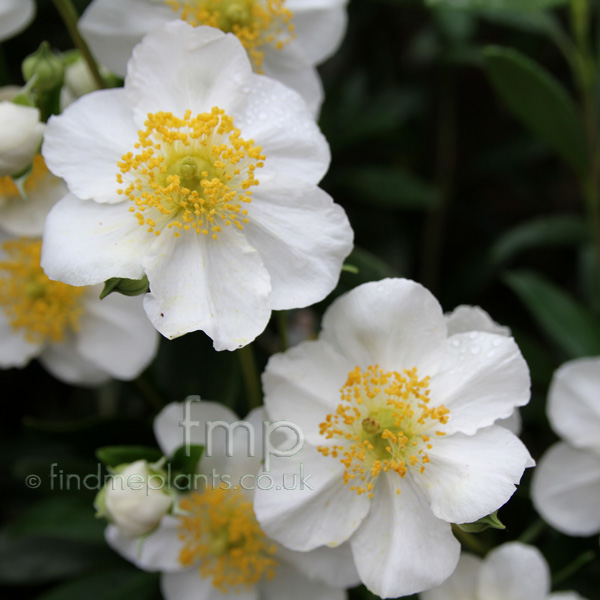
[
  {"x": 21, "y": 137},
  {"x": 135, "y": 499}
]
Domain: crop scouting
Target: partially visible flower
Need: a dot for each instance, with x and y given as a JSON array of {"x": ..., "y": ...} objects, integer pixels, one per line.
[
  {"x": 79, "y": 338},
  {"x": 566, "y": 483},
  {"x": 20, "y": 137},
  {"x": 203, "y": 176},
  {"x": 513, "y": 571},
  {"x": 213, "y": 547},
  {"x": 24, "y": 211},
  {"x": 15, "y": 15},
  {"x": 398, "y": 419},
  {"x": 285, "y": 39}
]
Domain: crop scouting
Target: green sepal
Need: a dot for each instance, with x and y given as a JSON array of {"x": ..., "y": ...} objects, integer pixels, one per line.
[
  {"x": 490, "y": 522},
  {"x": 127, "y": 287},
  {"x": 184, "y": 463}
]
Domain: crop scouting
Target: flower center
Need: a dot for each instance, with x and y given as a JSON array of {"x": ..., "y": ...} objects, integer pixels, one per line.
[
  {"x": 39, "y": 171},
  {"x": 257, "y": 23},
  {"x": 43, "y": 309},
  {"x": 220, "y": 532},
  {"x": 384, "y": 423},
  {"x": 190, "y": 173}
]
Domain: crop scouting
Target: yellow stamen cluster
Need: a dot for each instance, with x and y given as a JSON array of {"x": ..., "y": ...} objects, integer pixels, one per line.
[
  {"x": 44, "y": 310},
  {"x": 190, "y": 173},
  {"x": 220, "y": 533},
  {"x": 384, "y": 423},
  {"x": 257, "y": 23},
  {"x": 39, "y": 171}
]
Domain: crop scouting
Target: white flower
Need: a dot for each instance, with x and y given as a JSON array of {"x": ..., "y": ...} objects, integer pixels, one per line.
[
  {"x": 24, "y": 212},
  {"x": 15, "y": 15},
  {"x": 134, "y": 500},
  {"x": 400, "y": 442},
  {"x": 79, "y": 338},
  {"x": 213, "y": 548},
  {"x": 566, "y": 484},
  {"x": 284, "y": 38},
  {"x": 243, "y": 227},
  {"x": 21, "y": 136},
  {"x": 513, "y": 571}
]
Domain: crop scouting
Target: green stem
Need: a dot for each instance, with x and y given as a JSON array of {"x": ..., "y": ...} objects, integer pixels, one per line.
[
  {"x": 70, "y": 17},
  {"x": 250, "y": 373},
  {"x": 149, "y": 393},
  {"x": 282, "y": 329},
  {"x": 533, "y": 532},
  {"x": 570, "y": 570},
  {"x": 469, "y": 541}
]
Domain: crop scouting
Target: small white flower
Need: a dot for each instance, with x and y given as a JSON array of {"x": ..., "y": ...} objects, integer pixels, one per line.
[
  {"x": 566, "y": 483},
  {"x": 79, "y": 338},
  {"x": 213, "y": 548},
  {"x": 513, "y": 571},
  {"x": 400, "y": 437},
  {"x": 133, "y": 501},
  {"x": 21, "y": 137},
  {"x": 203, "y": 177},
  {"x": 284, "y": 38},
  {"x": 15, "y": 15}
]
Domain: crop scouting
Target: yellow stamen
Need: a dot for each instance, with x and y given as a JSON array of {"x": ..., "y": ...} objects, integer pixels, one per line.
[{"x": 39, "y": 172}]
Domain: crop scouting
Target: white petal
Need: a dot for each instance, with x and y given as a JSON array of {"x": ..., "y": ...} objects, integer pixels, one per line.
[
  {"x": 323, "y": 512},
  {"x": 303, "y": 385},
  {"x": 514, "y": 571},
  {"x": 115, "y": 334},
  {"x": 84, "y": 144},
  {"x": 87, "y": 243},
  {"x": 394, "y": 323},
  {"x": 289, "y": 584},
  {"x": 189, "y": 585},
  {"x": 15, "y": 350},
  {"x": 401, "y": 548},
  {"x": 566, "y": 490},
  {"x": 179, "y": 67},
  {"x": 334, "y": 566},
  {"x": 513, "y": 423},
  {"x": 573, "y": 406},
  {"x": 565, "y": 596},
  {"x": 112, "y": 28},
  {"x": 302, "y": 237},
  {"x": 158, "y": 552},
  {"x": 470, "y": 477},
  {"x": 472, "y": 318},
  {"x": 279, "y": 121},
  {"x": 461, "y": 585},
  {"x": 218, "y": 286},
  {"x": 15, "y": 15},
  {"x": 482, "y": 379}
]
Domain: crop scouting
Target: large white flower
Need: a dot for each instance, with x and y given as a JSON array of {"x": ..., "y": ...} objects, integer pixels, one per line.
[
  {"x": 203, "y": 177},
  {"x": 285, "y": 39},
  {"x": 213, "y": 548},
  {"x": 513, "y": 571},
  {"x": 79, "y": 338},
  {"x": 566, "y": 484},
  {"x": 15, "y": 15},
  {"x": 400, "y": 442}
]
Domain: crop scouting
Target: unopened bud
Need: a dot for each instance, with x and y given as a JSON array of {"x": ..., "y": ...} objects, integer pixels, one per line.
[{"x": 45, "y": 66}]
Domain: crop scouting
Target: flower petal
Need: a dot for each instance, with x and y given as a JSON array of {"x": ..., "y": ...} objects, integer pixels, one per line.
[
  {"x": 15, "y": 15},
  {"x": 470, "y": 477},
  {"x": 472, "y": 318},
  {"x": 401, "y": 548},
  {"x": 219, "y": 286},
  {"x": 394, "y": 323},
  {"x": 573, "y": 407},
  {"x": 322, "y": 511},
  {"x": 304, "y": 268},
  {"x": 190, "y": 585},
  {"x": 566, "y": 490},
  {"x": 15, "y": 350},
  {"x": 87, "y": 243},
  {"x": 84, "y": 144},
  {"x": 514, "y": 571},
  {"x": 482, "y": 379},
  {"x": 462, "y": 584}
]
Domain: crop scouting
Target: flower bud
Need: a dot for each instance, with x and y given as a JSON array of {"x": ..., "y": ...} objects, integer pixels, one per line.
[
  {"x": 135, "y": 499},
  {"x": 46, "y": 65},
  {"x": 21, "y": 137}
]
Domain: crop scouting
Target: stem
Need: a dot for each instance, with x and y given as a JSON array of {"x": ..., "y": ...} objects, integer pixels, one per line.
[
  {"x": 533, "y": 532},
  {"x": 250, "y": 373},
  {"x": 469, "y": 541},
  {"x": 70, "y": 17},
  {"x": 571, "y": 569},
  {"x": 282, "y": 329},
  {"x": 149, "y": 393}
]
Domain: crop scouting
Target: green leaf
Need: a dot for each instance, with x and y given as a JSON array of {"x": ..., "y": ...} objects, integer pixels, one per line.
[
  {"x": 573, "y": 328},
  {"x": 127, "y": 287},
  {"x": 539, "y": 101},
  {"x": 113, "y": 456},
  {"x": 490, "y": 522},
  {"x": 545, "y": 231},
  {"x": 186, "y": 462},
  {"x": 516, "y": 5}
]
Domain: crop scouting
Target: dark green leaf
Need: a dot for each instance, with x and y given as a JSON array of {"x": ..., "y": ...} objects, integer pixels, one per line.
[
  {"x": 113, "y": 456},
  {"x": 127, "y": 287},
  {"x": 573, "y": 328},
  {"x": 185, "y": 460},
  {"x": 490, "y": 522},
  {"x": 516, "y": 5},
  {"x": 539, "y": 101}
]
